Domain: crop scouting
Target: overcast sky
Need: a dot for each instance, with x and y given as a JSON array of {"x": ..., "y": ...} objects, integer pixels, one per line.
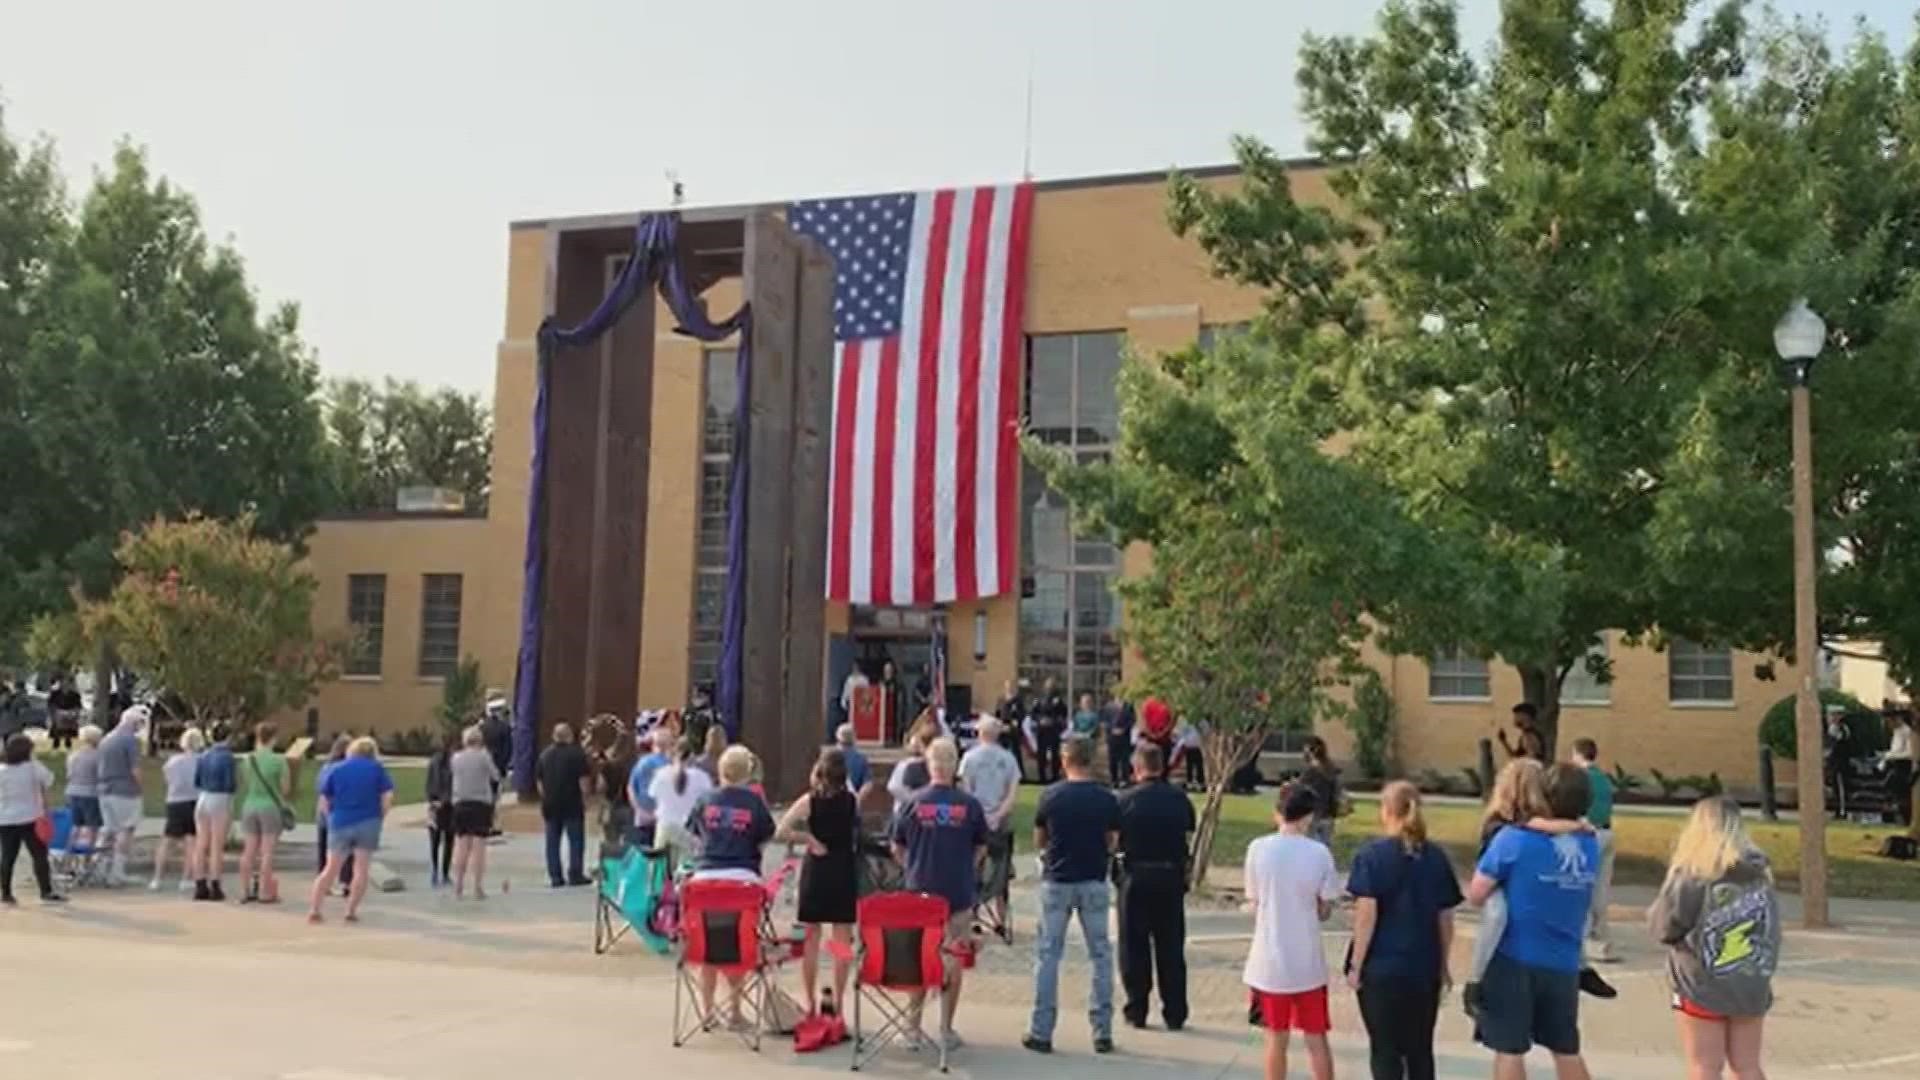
[{"x": 367, "y": 157}]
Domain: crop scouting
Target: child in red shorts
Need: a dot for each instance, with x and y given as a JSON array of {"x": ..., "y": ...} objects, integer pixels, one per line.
[{"x": 1292, "y": 884}]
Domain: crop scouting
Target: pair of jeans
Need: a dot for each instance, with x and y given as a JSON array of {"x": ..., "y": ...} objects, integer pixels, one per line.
[
  {"x": 1060, "y": 902},
  {"x": 575, "y": 826},
  {"x": 1399, "y": 1013},
  {"x": 12, "y": 839}
]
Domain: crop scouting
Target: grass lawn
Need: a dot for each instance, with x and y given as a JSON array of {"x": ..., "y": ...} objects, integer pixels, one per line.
[
  {"x": 1641, "y": 839},
  {"x": 409, "y": 784}
]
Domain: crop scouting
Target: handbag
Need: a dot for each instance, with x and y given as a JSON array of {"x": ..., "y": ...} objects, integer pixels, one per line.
[{"x": 287, "y": 818}]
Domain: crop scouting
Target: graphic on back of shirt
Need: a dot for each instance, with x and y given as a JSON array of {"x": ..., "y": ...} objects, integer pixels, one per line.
[
  {"x": 952, "y": 815},
  {"x": 1734, "y": 935},
  {"x": 1574, "y": 873},
  {"x": 718, "y": 818}
]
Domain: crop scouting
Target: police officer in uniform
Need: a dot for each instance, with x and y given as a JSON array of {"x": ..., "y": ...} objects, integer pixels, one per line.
[{"x": 1156, "y": 821}]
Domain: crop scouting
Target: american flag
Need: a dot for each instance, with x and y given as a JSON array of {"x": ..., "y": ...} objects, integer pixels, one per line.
[{"x": 928, "y": 303}]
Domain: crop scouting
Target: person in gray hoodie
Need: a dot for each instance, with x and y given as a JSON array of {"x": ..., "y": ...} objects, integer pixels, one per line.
[{"x": 1719, "y": 917}]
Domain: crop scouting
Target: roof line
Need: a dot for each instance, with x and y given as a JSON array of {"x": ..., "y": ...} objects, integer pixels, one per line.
[{"x": 741, "y": 210}]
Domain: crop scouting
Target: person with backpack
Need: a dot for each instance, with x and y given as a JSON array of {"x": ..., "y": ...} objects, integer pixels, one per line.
[{"x": 1718, "y": 915}]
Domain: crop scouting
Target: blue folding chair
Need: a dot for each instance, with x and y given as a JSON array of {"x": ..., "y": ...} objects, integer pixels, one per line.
[{"x": 76, "y": 864}]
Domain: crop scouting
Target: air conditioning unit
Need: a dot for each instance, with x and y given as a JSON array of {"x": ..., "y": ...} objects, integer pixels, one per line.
[{"x": 429, "y": 500}]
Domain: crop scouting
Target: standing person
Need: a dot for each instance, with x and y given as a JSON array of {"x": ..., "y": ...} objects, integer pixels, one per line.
[
  {"x": 1156, "y": 726},
  {"x": 120, "y": 806},
  {"x": 1898, "y": 761},
  {"x": 562, "y": 778},
  {"x": 182, "y": 797},
  {"x": 355, "y": 795},
  {"x": 827, "y": 820},
  {"x": 1156, "y": 821},
  {"x": 439, "y": 795},
  {"x": 215, "y": 777},
  {"x": 1292, "y": 884},
  {"x": 1086, "y": 719},
  {"x": 859, "y": 771},
  {"x": 1012, "y": 711},
  {"x": 1049, "y": 726},
  {"x": 1190, "y": 747},
  {"x": 63, "y": 714},
  {"x": 1719, "y": 918},
  {"x": 1586, "y": 757},
  {"x": 335, "y": 756},
  {"x": 715, "y": 746},
  {"x": 1117, "y": 720},
  {"x": 640, "y": 781},
  {"x": 856, "y": 681},
  {"x": 938, "y": 838},
  {"x": 1530, "y": 993},
  {"x": 992, "y": 776},
  {"x": 910, "y": 774},
  {"x": 83, "y": 788},
  {"x": 1075, "y": 828},
  {"x": 262, "y": 815},
  {"x": 1526, "y": 742},
  {"x": 475, "y": 779},
  {"x": 676, "y": 790},
  {"x": 1322, "y": 778},
  {"x": 24, "y": 787},
  {"x": 1404, "y": 892},
  {"x": 733, "y": 826},
  {"x": 892, "y": 704}
]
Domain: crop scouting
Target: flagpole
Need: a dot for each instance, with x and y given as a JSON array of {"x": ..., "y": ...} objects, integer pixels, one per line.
[{"x": 1026, "y": 158}]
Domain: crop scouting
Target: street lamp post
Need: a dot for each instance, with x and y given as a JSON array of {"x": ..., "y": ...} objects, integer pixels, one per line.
[{"x": 1798, "y": 338}]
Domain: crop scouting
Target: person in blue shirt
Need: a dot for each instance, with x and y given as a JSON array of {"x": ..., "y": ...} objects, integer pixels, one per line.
[
  {"x": 733, "y": 825},
  {"x": 939, "y": 834},
  {"x": 214, "y": 779},
  {"x": 1530, "y": 993},
  {"x": 355, "y": 796},
  {"x": 640, "y": 785},
  {"x": 1404, "y": 893},
  {"x": 859, "y": 770},
  {"x": 1076, "y": 827}
]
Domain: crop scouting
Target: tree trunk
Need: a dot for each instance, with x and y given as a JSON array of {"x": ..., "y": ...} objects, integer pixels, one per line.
[
  {"x": 105, "y": 661},
  {"x": 1542, "y": 687},
  {"x": 1225, "y": 752}
]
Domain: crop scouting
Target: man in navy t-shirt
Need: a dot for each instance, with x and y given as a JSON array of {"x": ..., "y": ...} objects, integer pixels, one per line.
[
  {"x": 1530, "y": 994},
  {"x": 1075, "y": 828},
  {"x": 939, "y": 835}
]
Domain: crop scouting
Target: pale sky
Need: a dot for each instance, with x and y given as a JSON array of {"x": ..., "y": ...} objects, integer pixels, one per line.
[{"x": 367, "y": 157}]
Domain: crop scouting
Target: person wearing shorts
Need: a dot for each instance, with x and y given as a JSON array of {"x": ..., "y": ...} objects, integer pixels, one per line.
[
  {"x": 475, "y": 780},
  {"x": 355, "y": 796},
  {"x": 182, "y": 797},
  {"x": 1292, "y": 884},
  {"x": 1530, "y": 992},
  {"x": 120, "y": 806},
  {"x": 938, "y": 836},
  {"x": 83, "y": 788},
  {"x": 262, "y": 816},
  {"x": 215, "y": 777}
]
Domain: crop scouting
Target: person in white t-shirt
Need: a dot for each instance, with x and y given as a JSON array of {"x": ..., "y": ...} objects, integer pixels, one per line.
[
  {"x": 1292, "y": 884},
  {"x": 674, "y": 790}
]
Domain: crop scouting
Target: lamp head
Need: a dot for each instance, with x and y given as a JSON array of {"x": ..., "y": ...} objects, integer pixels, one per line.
[{"x": 1798, "y": 337}]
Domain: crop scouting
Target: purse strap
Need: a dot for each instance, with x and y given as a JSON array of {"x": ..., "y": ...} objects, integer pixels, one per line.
[{"x": 274, "y": 792}]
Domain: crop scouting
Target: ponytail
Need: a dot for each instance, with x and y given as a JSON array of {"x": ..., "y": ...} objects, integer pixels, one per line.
[{"x": 1400, "y": 802}]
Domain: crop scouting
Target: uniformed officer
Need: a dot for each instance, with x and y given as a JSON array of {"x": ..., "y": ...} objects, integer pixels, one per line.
[{"x": 1156, "y": 820}]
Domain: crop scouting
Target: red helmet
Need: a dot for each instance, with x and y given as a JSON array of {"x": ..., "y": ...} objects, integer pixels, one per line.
[{"x": 1156, "y": 717}]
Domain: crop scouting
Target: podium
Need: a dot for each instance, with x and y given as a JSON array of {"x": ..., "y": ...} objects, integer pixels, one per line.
[{"x": 872, "y": 722}]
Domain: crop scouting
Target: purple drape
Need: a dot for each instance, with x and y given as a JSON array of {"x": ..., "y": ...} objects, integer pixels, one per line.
[{"x": 655, "y": 260}]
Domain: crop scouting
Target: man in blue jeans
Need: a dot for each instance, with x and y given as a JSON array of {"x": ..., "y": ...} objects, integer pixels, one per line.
[
  {"x": 1074, "y": 829},
  {"x": 1530, "y": 994}
]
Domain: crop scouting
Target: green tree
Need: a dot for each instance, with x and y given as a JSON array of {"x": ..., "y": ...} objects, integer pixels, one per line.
[
  {"x": 217, "y": 615},
  {"x": 1539, "y": 316},
  {"x": 383, "y": 438}
]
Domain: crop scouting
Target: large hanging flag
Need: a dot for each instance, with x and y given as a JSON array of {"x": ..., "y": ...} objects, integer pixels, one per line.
[{"x": 927, "y": 304}]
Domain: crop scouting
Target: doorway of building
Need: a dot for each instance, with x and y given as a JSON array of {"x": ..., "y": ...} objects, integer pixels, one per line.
[{"x": 903, "y": 636}]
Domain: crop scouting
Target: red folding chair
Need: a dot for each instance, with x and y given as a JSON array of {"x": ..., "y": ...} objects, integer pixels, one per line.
[
  {"x": 901, "y": 951},
  {"x": 721, "y": 927}
]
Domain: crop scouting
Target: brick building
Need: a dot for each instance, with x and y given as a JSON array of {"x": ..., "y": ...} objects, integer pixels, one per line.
[{"x": 1105, "y": 275}]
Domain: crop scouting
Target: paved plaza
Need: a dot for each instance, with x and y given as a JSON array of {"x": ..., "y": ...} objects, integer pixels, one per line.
[{"x": 138, "y": 985}]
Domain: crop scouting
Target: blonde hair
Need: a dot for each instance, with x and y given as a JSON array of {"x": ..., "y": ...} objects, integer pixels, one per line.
[
  {"x": 364, "y": 746},
  {"x": 1714, "y": 841},
  {"x": 716, "y": 741},
  {"x": 1400, "y": 812},
  {"x": 473, "y": 738},
  {"x": 192, "y": 740},
  {"x": 943, "y": 759},
  {"x": 91, "y": 735},
  {"x": 1519, "y": 793},
  {"x": 736, "y": 765}
]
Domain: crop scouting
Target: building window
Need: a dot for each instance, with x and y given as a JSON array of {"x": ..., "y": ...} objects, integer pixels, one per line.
[
  {"x": 720, "y": 394},
  {"x": 439, "y": 625},
  {"x": 1069, "y": 617},
  {"x": 367, "y": 616},
  {"x": 1213, "y": 334},
  {"x": 1699, "y": 673},
  {"x": 1581, "y": 686},
  {"x": 1455, "y": 676}
]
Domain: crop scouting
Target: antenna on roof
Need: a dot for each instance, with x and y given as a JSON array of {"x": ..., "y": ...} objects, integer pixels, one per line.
[
  {"x": 679, "y": 189},
  {"x": 1026, "y": 157}
]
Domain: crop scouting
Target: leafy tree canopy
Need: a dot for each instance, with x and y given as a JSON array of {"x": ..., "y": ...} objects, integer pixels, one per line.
[{"x": 394, "y": 435}]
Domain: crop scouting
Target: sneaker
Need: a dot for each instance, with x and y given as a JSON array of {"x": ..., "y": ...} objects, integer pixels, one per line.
[
  {"x": 154, "y": 885},
  {"x": 1103, "y": 1045},
  {"x": 1037, "y": 1044},
  {"x": 186, "y": 886},
  {"x": 52, "y": 898},
  {"x": 1592, "y": 983},
  {"x": 201, "y": 891},
  {"x": 952, "y": 1040},
  {"x": 215, "y": 893}
]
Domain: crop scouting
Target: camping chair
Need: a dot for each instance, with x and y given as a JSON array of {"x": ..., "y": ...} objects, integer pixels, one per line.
[
  {"x": 721, "y": 926},
  {"x": 879, "y": 871},
  {"x": 901, "y": 941},
  {"x": 992, "y": 913},
  {"x": 633, "y": 889},
  {"x": 77, "y": 864}
]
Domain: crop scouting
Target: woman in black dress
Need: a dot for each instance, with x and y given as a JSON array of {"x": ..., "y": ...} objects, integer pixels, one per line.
[{"x": 827, "y": 820}]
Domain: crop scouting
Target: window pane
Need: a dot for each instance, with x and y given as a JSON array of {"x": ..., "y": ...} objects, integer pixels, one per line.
[
  {"x": 1093, "y": 603},
  {"x": 722, "y": 395},
  {"x": 1046, "y": 519},
  {"x": 1098, "y": 414},
  {"x": 439, "y": 624},
  {"x": 367, "y": 616},
  {"x": 1699, "y": 673},
  {"x": 1452, "y": 675},
  {"x": 1581, "y": 687},
  {"x": 1050, "y": 387}
]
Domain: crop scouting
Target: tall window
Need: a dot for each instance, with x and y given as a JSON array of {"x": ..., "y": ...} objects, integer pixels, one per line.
[
  {"x": 1699, "y": 674},
  {"x": 367, "y": 616},
  {"x": 439, "y": 625},
  {"x": 1582, "y": 686},
  {"x": 1456, "y": 676},
  {"x": 1069, "y": 619},
  {"x": 720, "y": 395}
]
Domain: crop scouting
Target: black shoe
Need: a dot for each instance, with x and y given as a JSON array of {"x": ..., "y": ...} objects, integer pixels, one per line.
[
  {"x": 52, "y": 898},
  {"x": 9, "y": 901},
  {"x": 1592, "y": 983},
  {"x": 1176, "y": 1025},
  {"x": 1470, "y": 1000},
  {"x": 201, "y": 891},
  {"x": 578, "y": 881},
  {"x": 1037, "y": 1045},
  {"x": 1136, "y": 1022},
  {"x": 1103, "y": 1046},
  {"x": 215, "y": 893}
]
